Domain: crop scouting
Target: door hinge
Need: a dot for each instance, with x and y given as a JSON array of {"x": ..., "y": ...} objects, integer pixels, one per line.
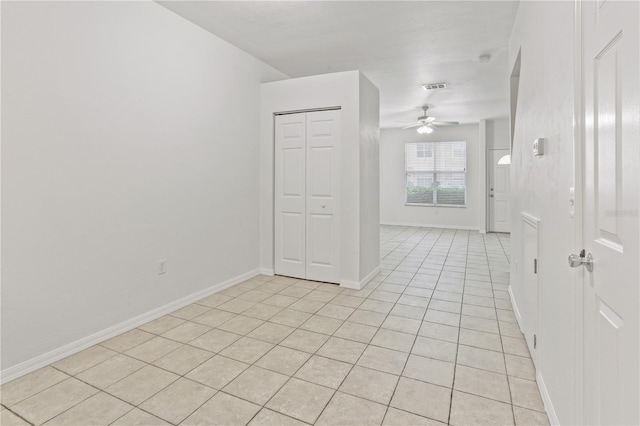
[
  {"x": 535, "y": 266},
  {"x": 535, "y": 341}
]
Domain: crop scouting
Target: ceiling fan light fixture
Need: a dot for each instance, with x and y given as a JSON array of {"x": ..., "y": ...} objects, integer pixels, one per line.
[{"x": 424, "y": 129}]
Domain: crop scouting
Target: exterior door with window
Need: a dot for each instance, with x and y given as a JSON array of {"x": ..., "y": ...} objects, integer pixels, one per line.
[{"x": 499, "y": 190}]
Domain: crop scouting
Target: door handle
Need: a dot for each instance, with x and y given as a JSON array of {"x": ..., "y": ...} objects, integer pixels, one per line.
[{"x": 581, "y": 260}]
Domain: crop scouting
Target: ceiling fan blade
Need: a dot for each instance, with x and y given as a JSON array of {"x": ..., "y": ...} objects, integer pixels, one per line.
[
  {"x": 444, "y": 123},
  {"x": 430, "y": 119},
  {"x": 413, "y": 125}
]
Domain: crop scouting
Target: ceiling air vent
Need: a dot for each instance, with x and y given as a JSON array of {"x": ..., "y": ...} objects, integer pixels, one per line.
[{"x": 434, "y": 86}]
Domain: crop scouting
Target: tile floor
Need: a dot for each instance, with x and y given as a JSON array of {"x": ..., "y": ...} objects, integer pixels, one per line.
[{"x": 432, "y": 340}]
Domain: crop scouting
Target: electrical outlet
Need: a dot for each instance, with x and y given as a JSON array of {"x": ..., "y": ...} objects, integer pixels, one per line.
[{"x": 162, "y": 267}]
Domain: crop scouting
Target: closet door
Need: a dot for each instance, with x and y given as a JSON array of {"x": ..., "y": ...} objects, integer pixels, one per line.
[
  {"x": 323, "y": 196},
  {"x": 290, "y": 195}
]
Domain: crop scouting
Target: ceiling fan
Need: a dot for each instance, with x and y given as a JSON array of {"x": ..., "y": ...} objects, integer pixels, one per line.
[{"x": 427, "y": 123}]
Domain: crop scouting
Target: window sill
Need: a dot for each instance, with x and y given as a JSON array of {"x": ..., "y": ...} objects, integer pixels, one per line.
[{"x": 448, "y": 206}]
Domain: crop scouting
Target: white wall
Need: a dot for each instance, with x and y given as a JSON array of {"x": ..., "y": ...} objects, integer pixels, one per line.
[
  {"x": 540, "y": 186},
  {"x": 127, "y": 139},
  {"x": 392, "y": 180},
  {"x": 321, "y": 91}
]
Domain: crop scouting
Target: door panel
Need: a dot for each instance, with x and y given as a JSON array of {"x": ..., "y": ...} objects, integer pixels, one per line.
[
  {"x": 323, "y": 196},
  {"x": 498, "y": 192},
  {"x": 610, "y": 70},
  {"x": 290, "y": 194}
]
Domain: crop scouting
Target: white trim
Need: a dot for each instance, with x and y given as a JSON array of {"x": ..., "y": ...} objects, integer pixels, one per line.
[
  {"x": 28, "y": 366},
  {"x": 354, "y": 285},
  {"x": 267, "y": 271},
  {"x": 423, "y": 225},
  {"x": 546, "y": 400},
  {"x": 516, "y": 311}
]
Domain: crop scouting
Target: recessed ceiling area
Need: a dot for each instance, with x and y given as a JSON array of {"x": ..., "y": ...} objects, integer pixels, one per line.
[{"x": 398, "y": 45}]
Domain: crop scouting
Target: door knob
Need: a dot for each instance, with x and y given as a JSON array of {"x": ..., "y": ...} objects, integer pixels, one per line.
[{"x": 581, "y": 260}]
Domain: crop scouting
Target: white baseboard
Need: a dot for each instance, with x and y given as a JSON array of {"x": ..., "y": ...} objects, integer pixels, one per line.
[
  {"x": 40, "y": 361},
  {"x": 423, "y": 225},
  {"x": 516, "y": 311},
  {"x": 267, "y": 271},
  {"x": 355, "y": 285},
  {"x": 546, "y": 400}
]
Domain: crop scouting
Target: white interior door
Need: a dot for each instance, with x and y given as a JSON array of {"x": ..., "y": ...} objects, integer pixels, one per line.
[
  {"x": 610, "y": 211},
  {"x": 307, "y": 195},
  {"x": 290, "y": 195},
  {"x": 323, "y": 196},
  {"x": 499, "y": 190}
]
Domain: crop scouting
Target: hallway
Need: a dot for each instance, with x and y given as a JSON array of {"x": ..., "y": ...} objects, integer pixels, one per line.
[{"x": 432, "y": 338}]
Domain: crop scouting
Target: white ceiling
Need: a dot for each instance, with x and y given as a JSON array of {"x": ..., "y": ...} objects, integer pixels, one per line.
[{"x": 397, "y": 44}]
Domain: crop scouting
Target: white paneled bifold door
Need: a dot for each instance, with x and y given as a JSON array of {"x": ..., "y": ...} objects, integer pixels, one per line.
[{"x": 307, "y": 195}]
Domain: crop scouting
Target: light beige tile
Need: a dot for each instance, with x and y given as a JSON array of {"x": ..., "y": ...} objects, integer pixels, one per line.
[
  {"x": 393, "y": 340},
  {"x": 301, "y": 400},
  {"x": 479, "y": 324},
  {"x": 279, "y": 300},
  {"x": 215, "y": 340},
  {"x": 395, "y": 417},
  {"x": 268, "y": 417},
  {"x": 183, "y": 359},
  {"x": 214, "y": 300},
  {"x": 262, "y": 311},
  {"x": 342, "y": 350},
  {"x": 256, "y": 384},
  {"x": 241, "y": 325},
  {"x": 406, "y": 311},
  {"x": 223, "y": 410},
  {"x": 233, "y": 291},
  {"x": 439, "y": 331},
  {"x": 515, "y": 346},
  {"x": 348, "y": 301},
  {"x": 429, "y": 370},
  {"x": 526, "y": 417},
  {"x": 440, "y": 317},
  {"x": 361, "y": 316},
  {"x": 478, "y": 311},
  {"x": 23, "y": 387},
  {"x": 479, "y": 301},
  {"x": 100, "y": 409},
  {"x": 482, "y": 383},
  {"x": 7, "y": 418},
  {"x": 446, "y": 306},
  {"x": 290, "y": 317},
  {"x": 322, "y": 325},
  {"x": 153, "y": 349},
  {"x": 271, "y": 332},
  {"x": 370, "y": 384},
  {"x": 525, "y": 394},
  {"x": 350, "y": 410},
  {"x": 404, "y": 325},
  {"x": 306, "y": 341},
  {"x": 437, "y": 349},
  {"x": 247, "y": 350},
  {"x": 376, "y": 306},
  {"x": 214, "y": 317},
  {"x": 481, "y": 358},
  {"x": 411, "y": 300},
  {"x": 305, "y": 305},
  {"x": 510, "y": 329},
  {"x": 445, "y": 295},
  {"x": 480, "y": 339},
  {"x": 324, "y": 371},
  {"x": 357, "y": 332},
  {"x": 142, "y": 384},
  {"x": 128, "y": 340},
  {"x": 49, "y": 403},
  {"x": 384, "y": 296},
  {"x": 254, "y": 296},
  {"x": 294, "y": 291},
  {"x": 175, "y": 402},
  {"x": 520, "y": 367},
  {"x": 237, "y": 306},
  {"x": 110, "y": 371},
  {"x": 271, "y": 287},
  {"x": 335, "y": 311},
  {"x": 507, "y": 316},
  {"x": 186, "y": 332},
  {"x": 162, "y": 324},
  {"x": 217, "y": 372},
  {"x": 422, "y": 398},
  {"x": 190, "y": 311},
  {"x": 84, "y": 360},
  {"x": 137, "y": 417},
  {"x": 283, "y": 360},
  {"x": 382, "y": 359},
  {"x": 474, "y": 410}
]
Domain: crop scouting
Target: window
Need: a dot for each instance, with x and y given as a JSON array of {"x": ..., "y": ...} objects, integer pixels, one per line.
[{"x": 435, "y": 173}]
